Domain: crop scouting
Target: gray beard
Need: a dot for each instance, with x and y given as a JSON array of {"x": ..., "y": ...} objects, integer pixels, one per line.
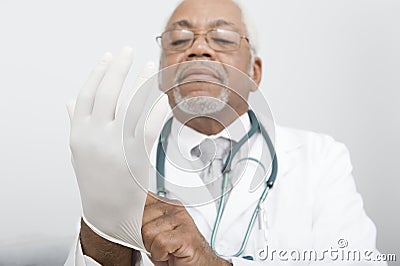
[{"x": 201, "y": 105}]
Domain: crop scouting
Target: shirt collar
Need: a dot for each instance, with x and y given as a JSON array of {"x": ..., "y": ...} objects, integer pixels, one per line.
[{"x": 188, "y": 138}]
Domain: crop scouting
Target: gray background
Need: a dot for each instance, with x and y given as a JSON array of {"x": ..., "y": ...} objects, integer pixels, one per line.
[{"x": 329, "y": 66}]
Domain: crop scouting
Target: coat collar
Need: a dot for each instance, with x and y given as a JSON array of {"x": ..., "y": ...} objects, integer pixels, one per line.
[{"x": 188, "y": 138}]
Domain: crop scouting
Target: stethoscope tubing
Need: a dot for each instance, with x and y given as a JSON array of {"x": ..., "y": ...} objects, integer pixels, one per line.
[{"x": 255, "y": 126}]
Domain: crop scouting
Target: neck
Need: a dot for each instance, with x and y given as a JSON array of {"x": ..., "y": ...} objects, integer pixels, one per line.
[{"x": 208, "y": 125}]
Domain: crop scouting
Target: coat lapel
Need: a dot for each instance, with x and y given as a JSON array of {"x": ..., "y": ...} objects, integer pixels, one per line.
[{"x": 241, "y": 199}]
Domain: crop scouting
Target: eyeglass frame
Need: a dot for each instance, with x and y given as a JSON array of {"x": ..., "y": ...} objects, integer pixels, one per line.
[{"x": 159, "y": 39}]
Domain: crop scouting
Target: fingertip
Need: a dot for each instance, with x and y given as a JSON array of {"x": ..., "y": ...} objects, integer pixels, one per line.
[
  {"x": 127, "y": 55},
  {"x": 150, "y": 64},
  {"x": 71, "y": 108},
  {"x": 107, "y": 57},
  {"x": 127, "y": 49},
  {"x": 149, "y": 69}
]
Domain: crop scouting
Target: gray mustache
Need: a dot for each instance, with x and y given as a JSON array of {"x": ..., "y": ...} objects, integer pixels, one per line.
[{"x": 214, "y": 67}]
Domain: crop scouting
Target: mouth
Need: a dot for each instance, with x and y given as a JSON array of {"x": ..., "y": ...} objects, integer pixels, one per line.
[{"x": 199, "y": 74}]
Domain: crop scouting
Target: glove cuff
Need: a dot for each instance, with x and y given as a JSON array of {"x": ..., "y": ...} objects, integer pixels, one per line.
[{"x": 112, "y": 239}]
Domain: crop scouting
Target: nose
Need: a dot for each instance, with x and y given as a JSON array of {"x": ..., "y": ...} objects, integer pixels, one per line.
[{"x": 200, "y": 49}]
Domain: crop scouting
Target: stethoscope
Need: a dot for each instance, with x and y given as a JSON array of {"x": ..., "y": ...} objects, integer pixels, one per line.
[{"x": 255, "y": 127}]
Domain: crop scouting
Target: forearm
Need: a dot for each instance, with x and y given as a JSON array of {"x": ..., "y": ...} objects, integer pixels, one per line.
[{"x": 106, "y": 252}]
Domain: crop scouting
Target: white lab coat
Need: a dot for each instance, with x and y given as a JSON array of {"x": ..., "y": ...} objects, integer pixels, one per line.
[{"x": 313, "y": 205}]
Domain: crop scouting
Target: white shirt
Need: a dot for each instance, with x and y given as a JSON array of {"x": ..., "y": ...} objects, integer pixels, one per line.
[{"x": 313, "y": 208}]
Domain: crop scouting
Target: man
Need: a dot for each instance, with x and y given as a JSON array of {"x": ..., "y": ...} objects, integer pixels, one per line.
[{"x": 313, "y": 205}]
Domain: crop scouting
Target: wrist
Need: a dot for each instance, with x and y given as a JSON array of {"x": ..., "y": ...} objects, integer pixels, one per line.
[
  {"x": 218, "y": 261},
  {"x": 104, "y": 251},
  {"x": 225, "y": 263}
]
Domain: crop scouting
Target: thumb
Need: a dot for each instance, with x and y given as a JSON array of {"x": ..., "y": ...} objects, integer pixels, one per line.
[
  {"x": 155, "y": 121},
  {"x": 144, "y": 75}
]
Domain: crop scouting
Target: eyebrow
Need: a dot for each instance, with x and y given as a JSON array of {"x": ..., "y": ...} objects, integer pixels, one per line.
[
  {"x": 221, "y": 22},
  {"x": 214, "y": 24},
  {"x": 182, "y": 23}
]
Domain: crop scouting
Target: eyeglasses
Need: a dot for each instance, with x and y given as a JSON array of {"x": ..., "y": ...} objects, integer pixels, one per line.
[{"x": 217, "y": 39}]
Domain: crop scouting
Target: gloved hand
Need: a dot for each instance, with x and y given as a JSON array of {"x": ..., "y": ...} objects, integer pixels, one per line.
[{"x": 112, "y": 200}]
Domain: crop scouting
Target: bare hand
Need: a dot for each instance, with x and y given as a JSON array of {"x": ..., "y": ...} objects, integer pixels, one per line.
[{"x": 171, "y": 236}]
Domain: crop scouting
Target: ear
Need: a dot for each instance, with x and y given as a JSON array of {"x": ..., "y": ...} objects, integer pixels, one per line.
[{"x": 257, "y": 70}]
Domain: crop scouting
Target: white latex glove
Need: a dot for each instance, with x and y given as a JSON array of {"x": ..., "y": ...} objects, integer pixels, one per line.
[{"x": 112, "y": 201}]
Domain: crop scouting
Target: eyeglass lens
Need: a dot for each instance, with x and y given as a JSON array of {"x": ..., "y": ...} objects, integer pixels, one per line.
[{"x": 219, "y": 40}]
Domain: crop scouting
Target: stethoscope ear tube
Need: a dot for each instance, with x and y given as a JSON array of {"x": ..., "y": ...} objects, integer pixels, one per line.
[
  {"x": 254, "y": 127},
  {"x": 160, "y": 160},
  {"x": 274, "y": 171}
]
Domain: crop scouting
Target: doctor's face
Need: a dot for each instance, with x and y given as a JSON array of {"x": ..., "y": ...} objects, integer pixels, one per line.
[{"x": 195, "y": 20}]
